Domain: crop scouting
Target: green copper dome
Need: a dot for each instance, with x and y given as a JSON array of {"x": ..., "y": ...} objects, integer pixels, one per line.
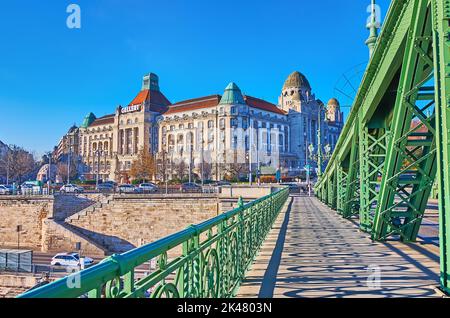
[
  {"x": 88, "y": 120},
  {"x": 232, "y": 95}
]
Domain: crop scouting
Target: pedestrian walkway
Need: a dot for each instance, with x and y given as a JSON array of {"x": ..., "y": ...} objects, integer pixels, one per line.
[{"x": 313, "y": 252}]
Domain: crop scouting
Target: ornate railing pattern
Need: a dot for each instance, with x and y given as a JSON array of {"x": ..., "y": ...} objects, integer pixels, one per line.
[{"x": 210, "y": 259}]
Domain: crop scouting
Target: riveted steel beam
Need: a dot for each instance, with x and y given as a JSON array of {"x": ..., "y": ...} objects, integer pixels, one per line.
[
  {"x": 411, "y": 158},
  {"x": 441, "y": 47}
]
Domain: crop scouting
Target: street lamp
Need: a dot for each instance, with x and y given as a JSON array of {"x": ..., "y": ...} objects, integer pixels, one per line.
[
  {"x": 18, "y": 229},
  {"x": 98, "y": 153},
  {"x": 320, "y": 156}
]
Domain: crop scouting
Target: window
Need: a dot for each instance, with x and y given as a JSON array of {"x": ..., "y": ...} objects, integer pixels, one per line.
[
  {"x": 210, "y": 124},
  {"x": 233, "y": 110},
  {"x": 172, "y": 128},
  {"x": 222, "y": 123},
  {"x": 234, "y": 122},
  {"x": 181, "y": 126},
  {"x": 190, "y": 125}
]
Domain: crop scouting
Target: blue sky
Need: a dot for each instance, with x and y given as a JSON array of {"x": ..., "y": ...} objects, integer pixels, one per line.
[{"x": 52, "y": 76}]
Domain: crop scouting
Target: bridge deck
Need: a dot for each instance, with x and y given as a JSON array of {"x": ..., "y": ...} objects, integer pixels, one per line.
[{"x": 313, "y": 252}]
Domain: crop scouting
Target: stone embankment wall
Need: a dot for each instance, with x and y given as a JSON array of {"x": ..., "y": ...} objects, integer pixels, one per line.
[
  {"x": 27, "y": 212},
  {"x": 130, "y": 221},
  {"x": 108, "y": 224},
  {"x": 31, "y": 212}
]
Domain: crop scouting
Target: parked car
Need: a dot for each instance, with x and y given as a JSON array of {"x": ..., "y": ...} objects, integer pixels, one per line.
[
  {"x": 148, "y": 187},
  {"x": 223, "y": 183},
  {"x": 5, "y": 190},
  {"x": 105, "y": 187},
  {"x": 71, "y": 188},
  {"x": 190, "y": 187},
  {"x": 28, "y": 188},
  {"x": 71, "y": 259},
  {"x": 128, "y": 188}
]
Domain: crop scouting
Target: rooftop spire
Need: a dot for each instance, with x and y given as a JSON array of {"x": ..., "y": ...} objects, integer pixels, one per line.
[{"x": 373, "y": 27}]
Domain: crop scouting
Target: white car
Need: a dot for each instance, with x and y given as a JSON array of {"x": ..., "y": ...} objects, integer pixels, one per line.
[
  {"x": 5, "y": 190},
  {"x": 70, "y": 260},
  {"x": 71, "y": 188}
]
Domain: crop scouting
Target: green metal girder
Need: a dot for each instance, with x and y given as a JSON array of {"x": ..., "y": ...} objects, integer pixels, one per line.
[
  {"x": 402, "y": 65},
  {"x": 441, "y": 47},
  {"x": 408, "y": 198},
  {"x": 372, "y": 152}
]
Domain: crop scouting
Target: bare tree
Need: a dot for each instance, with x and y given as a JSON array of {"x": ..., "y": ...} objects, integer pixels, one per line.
[
  {"x": 144, "y": 167},
  {"x": 17, "y": 164},
  {"x": 235, "y": 170},
  {"x": 180, "y": 168}
]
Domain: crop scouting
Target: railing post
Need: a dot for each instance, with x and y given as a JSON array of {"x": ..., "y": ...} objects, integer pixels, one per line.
[{"x": 241, "y": 240}]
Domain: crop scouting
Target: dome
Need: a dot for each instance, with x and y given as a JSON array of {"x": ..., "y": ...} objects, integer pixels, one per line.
[
  {"x": 88, "y": 120},
  {"x": 232, "y": 95},
  {"x": 297, "y": 80},
  {"x": 72, "y": 129},
  {"x": 334, "y": 102}
]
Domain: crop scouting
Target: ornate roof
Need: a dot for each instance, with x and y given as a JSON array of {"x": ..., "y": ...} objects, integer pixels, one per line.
[
  {"x": 263, "y": 105},
  {"x": 88, "y": 120},
  {"x": 296, "y": 80},
  {"x": 105, "y": 120},
  {"x": 194, "y": 104},
  {"x": 158, "y": 102},
  {"x": 333, "y": 101},
  {"x": 232, "y": 95}
]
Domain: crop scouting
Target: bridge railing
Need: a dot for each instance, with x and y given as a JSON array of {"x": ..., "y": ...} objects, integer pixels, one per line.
[{"x": 208, "y": 260}]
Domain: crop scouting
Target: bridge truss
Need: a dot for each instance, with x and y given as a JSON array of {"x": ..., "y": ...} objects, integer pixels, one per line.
[{"x": 396, "y": 141}]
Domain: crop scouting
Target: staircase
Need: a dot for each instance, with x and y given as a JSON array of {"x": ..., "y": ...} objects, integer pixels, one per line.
[{"x": 109, "y": 244}]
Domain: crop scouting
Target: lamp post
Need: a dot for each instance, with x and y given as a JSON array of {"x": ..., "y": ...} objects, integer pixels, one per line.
[
  {"x": 68, "y": 160},
  {"x": 18, "y": 229},
  {"x": 320, "y": 156},
  {"x": 7, "y": 166},
  {"x": 98, "y": 153}
]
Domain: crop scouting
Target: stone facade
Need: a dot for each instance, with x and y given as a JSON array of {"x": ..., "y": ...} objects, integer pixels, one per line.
[{"x": 215, "y": 131}]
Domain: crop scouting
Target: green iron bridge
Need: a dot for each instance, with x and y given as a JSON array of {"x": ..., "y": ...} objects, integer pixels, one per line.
[
  {"x": 394, "y": 147},
  {"x": 396, "y": 142}
]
